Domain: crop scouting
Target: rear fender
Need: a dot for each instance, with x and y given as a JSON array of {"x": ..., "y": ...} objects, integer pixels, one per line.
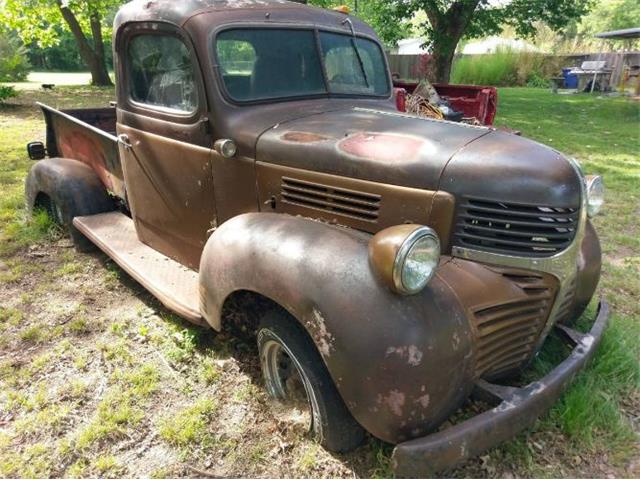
[
  {"x": 73, "y": 185},
  {"x": 400, "y": 363}
]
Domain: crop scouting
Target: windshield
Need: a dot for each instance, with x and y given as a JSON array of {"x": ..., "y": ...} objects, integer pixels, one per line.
[{"x": 261, "y": 64}]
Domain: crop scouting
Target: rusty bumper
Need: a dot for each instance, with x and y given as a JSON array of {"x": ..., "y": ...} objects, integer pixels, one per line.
[{"x": 517, "y": 408}]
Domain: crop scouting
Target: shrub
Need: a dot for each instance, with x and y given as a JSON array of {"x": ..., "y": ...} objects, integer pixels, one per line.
[
  {"x": 14, "y": 64},
  {"x": 7, "y": 92},
  {"x": 505, "y": 67}
]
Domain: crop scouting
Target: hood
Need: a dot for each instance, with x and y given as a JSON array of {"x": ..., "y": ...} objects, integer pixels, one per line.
[
  {"x": 368, "y": 144},
  {"x": 399, "y": 149},
  {"x": 505, "y": 167}
]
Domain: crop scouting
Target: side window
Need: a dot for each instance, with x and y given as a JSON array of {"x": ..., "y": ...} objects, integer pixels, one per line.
[{"x": 161, "y": 73}]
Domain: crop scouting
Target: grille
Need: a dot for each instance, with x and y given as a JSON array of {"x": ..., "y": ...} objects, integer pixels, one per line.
[
  {"x": 350, "y": 203},
  {"x": 516, "y": 229},
  {"x": 507, "y": 332}
]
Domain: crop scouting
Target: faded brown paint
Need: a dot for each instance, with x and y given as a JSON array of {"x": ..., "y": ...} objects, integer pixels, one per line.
[
  {"x": 171, "y": 193},
  {"x": 293, "y": 217}
]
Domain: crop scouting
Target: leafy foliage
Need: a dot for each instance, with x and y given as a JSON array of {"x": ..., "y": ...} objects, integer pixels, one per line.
[
  {"x": 42, "y": 21},
  {"x": 610, "y": 15},
  {"x": 6, "y": 92},
  {"x": 448, "y": 21},
  {"x": 14, "y": 64},
  {"x": 64, "y": 56},
  {"x": 380, "y": 14}
]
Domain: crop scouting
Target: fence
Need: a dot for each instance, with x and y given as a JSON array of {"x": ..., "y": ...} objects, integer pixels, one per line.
[{"x": 409, "y": 67}]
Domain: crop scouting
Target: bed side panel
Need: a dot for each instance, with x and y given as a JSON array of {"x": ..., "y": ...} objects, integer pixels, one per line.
[{"x": 87, "y": 136}]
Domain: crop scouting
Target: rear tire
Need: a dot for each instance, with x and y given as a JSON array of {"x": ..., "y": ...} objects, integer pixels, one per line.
[
  {"x": 57, "y": 214},
  {"x": 289, "y": 357}
]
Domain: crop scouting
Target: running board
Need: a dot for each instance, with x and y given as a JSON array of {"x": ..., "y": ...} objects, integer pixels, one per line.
[{"x": 175, "y": 285}]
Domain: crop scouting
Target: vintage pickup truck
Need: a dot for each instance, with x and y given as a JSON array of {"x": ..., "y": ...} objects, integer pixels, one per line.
[{"x": 255, "y": 156}]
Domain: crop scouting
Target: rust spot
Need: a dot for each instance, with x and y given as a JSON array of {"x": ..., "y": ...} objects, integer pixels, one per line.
[
  {"x": 411, "y": 353},
  {"x": 394, "y": 400},
  {"x": 382, "y": 146},
  {"x": 423, "y": 400},
  {"x": 324, "y": 339},
  {"x": 303, "y": 137}
]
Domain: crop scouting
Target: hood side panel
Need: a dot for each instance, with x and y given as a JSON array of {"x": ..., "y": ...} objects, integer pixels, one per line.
[{"x": 367, "y": 145}]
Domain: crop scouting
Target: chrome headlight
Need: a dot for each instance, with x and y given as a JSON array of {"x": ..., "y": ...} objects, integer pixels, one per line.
[
  {"x": 405, "y": 256},
  {"x": 595, "y": 194}
]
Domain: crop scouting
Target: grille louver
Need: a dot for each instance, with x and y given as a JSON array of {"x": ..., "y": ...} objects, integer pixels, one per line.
[
  {"x": 507, "y": 332},
  {"x": 340, "y": 201},
  {"x": 514, "y": 229}
]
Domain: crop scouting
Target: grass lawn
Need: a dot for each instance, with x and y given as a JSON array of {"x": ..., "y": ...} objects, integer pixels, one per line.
[
  {"x": 98, "y": 379},
  {"x": 36, "y": 79}
]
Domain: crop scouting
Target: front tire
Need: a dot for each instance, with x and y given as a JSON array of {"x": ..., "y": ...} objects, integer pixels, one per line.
[{"x": 295, "y": 374}]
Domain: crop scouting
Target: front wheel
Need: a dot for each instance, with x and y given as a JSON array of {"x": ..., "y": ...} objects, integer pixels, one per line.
[{"x": 296, "y": 376}]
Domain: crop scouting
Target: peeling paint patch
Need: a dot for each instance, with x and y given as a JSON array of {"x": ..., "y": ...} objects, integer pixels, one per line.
[
  {"x": 394, "y": 400},
  {"x": 303, "y": 137},
  {"x": 456, "y": 341},
  {"x": 324, "y": 338},
  {"x": 411, "y": 353},
  {"x": 505, "y": 406},
  {"x": 423, "y": 400},
  {"x": 538, "y": 388},
  {"x": 587, "y": 341}
]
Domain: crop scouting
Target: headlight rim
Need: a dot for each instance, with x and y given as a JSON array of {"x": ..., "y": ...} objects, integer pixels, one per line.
[
  {"x": 401, "y": 256},
  {"x": 590, "y": 182}
]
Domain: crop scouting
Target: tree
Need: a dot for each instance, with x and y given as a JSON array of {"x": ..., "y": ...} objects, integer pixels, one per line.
[
  {"x": 448, "y": 21},
  {"x": 380, "y": 14},
  {"x": 40, "y": 21}
]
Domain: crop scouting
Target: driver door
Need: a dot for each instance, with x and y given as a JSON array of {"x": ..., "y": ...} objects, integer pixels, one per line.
[{"x": 165, "y": 141}]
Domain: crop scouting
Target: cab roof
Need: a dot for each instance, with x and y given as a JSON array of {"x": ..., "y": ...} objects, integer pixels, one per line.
[{"x": 219, "y": 12}]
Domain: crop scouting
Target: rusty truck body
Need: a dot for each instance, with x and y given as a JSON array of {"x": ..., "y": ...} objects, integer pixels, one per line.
[{"x": 404, "y": 264}]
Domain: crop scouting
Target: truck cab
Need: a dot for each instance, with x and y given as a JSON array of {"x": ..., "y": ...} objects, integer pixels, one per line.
[{"x": 401, "y": 264}]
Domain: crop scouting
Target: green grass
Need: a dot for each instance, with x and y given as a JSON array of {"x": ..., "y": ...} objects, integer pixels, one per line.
[
  {"x": 189, "y": 426},
  {"x": 505, "y": 67},
  {"x": 122, "y": 407}
]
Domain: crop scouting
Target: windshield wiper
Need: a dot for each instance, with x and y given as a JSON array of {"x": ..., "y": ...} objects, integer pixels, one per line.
[{"x": 355, "y": 47}]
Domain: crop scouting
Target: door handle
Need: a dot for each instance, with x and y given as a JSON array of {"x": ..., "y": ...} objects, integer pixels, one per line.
[{"x": 123, "y": 139}]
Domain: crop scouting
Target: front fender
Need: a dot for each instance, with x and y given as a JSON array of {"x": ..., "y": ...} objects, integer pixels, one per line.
[{"x": 401, "y": 364}]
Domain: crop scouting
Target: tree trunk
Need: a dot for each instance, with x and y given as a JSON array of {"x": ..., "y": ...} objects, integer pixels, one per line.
[
  {"x": 98, "y": 47},
  {"x": 443, "y": 51},
  {"x": 93, "y": 60},
  {"x": 447, "y": 30}
]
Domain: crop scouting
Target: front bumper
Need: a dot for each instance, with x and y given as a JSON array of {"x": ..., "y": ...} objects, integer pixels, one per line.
[{"x": 517, "y": 408}]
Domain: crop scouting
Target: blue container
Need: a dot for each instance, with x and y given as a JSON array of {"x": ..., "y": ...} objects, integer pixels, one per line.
[{"x": 570, "y": 79}]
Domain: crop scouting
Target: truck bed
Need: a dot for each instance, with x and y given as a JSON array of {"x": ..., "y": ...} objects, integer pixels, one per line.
[
  {"x": 89, "y": 136},
  {"x": 472, "y": 100}
]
